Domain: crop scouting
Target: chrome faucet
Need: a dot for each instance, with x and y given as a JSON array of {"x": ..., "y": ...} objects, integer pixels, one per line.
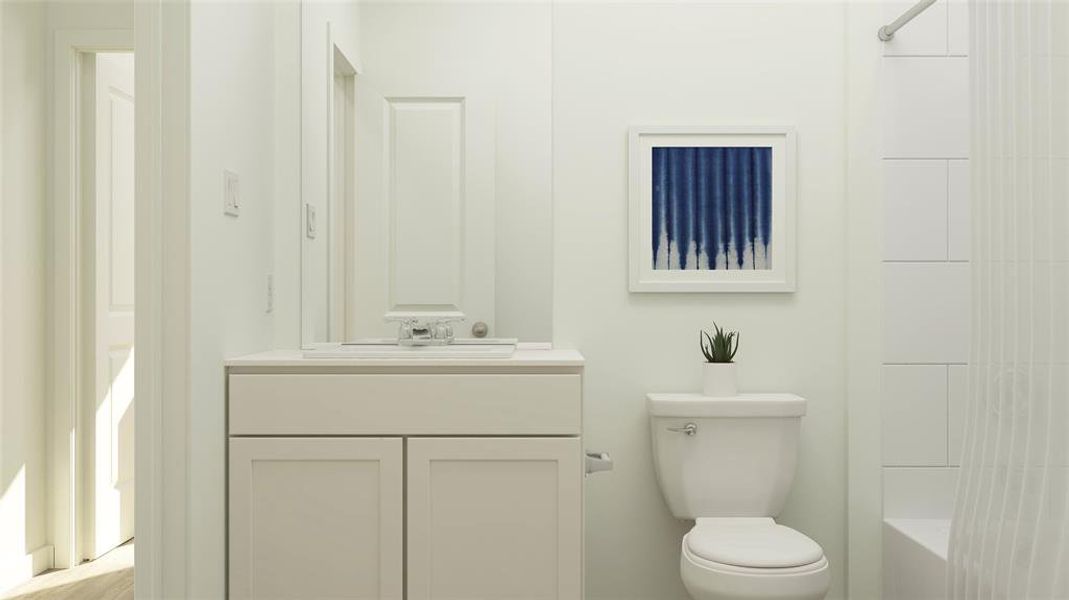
[{"x": 431, "y": 332}]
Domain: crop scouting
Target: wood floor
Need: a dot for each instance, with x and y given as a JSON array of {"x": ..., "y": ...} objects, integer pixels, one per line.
[{"x": 110, "y": 577}]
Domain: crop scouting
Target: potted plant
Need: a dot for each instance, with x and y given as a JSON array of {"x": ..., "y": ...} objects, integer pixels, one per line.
[{"x": 720, "y": 378}]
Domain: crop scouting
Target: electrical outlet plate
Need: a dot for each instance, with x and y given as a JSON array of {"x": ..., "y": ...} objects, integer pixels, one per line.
[
  {"x": 231, "y": 194},
  {"x": 310, "y": 221},
  {"x": 270, "y": 293}
]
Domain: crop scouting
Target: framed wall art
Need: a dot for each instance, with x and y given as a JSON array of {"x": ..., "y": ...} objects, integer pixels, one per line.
[{"x": 712, "y": 209}]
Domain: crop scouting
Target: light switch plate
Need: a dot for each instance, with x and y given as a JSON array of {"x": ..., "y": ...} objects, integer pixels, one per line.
[
  {"x": 231, "y": 194},
  {"x": 310, "y": 221}
]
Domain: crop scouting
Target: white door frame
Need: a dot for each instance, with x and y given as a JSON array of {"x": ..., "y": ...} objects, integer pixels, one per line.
[
  {"x": 341, "y": 197},
  {"x": 162, "y": 267},
  {"x": 68, "y": 258},
  {"x": 161, "y": 44}
]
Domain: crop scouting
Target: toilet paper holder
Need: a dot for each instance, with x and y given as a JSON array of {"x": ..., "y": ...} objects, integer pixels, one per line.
[{"x": 597, "y": 462}]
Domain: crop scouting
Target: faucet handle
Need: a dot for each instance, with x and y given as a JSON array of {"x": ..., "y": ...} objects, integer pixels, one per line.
[
  {"x": 404, "y": 328},
  {"x": 442, "y": 328},
  {"x": 428, "y": 329}
]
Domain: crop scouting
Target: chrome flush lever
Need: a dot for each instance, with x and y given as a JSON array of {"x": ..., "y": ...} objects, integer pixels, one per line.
[{"x": 689, "y": 429}]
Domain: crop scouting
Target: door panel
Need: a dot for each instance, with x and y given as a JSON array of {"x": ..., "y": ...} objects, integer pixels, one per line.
[
  {"x": 425, "y": 208},
  {"x": 492, "y": 518},
  {"x": 316, "y": 518},
  {"x": 111, "y": 461},
  {"x": 425, "y": 162}
]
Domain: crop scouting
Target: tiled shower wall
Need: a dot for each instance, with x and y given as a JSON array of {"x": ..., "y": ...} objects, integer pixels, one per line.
[{"x": 926, "y": 254}]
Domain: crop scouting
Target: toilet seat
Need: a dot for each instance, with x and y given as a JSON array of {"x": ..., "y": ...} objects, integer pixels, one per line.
[
  {"x": 712, "y": 551},
  {"x": 751, "y": 542}
]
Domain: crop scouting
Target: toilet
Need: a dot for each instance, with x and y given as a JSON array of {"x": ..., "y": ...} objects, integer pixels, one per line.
[{"x": 727, "y": 464}]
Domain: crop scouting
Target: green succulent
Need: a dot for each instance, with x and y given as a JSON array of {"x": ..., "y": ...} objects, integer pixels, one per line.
[{"x": 720, "y": 347}]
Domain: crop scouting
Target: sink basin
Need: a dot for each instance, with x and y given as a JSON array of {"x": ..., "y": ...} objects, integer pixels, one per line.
[{"x": 386, "y": 348}]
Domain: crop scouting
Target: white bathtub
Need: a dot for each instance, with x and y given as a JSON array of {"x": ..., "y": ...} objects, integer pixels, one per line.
[{"x": 915, "y": 558}]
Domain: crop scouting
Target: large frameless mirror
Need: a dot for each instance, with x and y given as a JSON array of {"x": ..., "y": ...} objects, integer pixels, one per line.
[{"x": 426, "y": 169}]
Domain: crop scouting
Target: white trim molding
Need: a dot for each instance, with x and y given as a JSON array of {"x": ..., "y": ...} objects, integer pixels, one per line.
[
  {"x": 41, "y": 559},
  {"x": 162, "y": 267},
  {"x": 14, "y": 573},
  {"x": 864, "y": 300}
]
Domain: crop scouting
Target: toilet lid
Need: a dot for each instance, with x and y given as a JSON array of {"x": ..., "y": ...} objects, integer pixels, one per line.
[{"x": 751, "y": 542}]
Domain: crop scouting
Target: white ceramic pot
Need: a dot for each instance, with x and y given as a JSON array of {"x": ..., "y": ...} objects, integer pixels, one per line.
[{"x": 720, "y": 380}]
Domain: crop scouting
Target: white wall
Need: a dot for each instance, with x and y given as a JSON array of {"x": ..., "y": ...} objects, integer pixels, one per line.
[
  {"x": 89, "y": 14},
  {"x": 926, "y": 253},
  {"x": 232, "y": 70},
  {"x": 23, "y": 418},
  {"x": 617, "y": 65},
  {"x": 288, "y": 237}
]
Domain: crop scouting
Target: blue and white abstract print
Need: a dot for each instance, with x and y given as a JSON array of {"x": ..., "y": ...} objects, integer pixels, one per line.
[{"x": 712, "y": 208}]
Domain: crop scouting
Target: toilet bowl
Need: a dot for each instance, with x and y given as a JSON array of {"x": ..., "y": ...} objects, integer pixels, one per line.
[
  {"x": 751, "y": 559},
  {"x": 728, "y": 464}
]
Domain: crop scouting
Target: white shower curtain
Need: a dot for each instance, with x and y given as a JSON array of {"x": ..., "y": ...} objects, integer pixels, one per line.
[{"x": 1010, "y": 535}]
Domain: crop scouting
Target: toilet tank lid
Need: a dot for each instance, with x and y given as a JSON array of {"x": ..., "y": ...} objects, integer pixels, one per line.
[{"x": 743, "y": 405}]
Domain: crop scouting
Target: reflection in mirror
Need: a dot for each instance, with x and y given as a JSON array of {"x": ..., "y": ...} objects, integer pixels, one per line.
[{"x": 426, "y": 149}]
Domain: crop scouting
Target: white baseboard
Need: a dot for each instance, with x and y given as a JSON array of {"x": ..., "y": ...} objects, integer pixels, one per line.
[
  {"x": 42, "y": 559},
  {"x": 21, "y": 569}
]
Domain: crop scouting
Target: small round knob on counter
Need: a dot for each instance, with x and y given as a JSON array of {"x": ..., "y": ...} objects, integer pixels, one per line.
[{"x": 479, "y": 329}]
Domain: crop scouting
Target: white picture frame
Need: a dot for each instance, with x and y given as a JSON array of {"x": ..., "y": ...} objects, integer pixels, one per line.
[{"x": 778, "y": 277}]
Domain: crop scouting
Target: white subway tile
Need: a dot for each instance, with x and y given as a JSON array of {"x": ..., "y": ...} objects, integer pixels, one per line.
[
  {"x": 958, "y": 27},
  {"x": 926, "y": 35},
  {"x": 915, "y": 209},
  {"x": 915, "y": 415},
  {"x": 919, "y": 492},
  {"x": 956, "y": 413},
  {"x": 926, "y": 312},
  {"x": 926, "y": 107},
  {"x": 960, "y": 221}
]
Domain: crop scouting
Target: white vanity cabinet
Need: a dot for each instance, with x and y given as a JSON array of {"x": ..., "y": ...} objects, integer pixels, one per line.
[{"x": 417, "y": 479}]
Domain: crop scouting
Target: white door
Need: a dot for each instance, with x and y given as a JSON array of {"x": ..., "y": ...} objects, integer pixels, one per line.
[
  {"x": 316, "y": 518},
  {"x": 111, "y": 431},
  {"x": 424, "y": 217},
  {"x": 492, "y": 518}
]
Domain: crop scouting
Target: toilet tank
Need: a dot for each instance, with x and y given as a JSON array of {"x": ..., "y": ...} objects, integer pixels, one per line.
[{"x": 738, "y": 459}]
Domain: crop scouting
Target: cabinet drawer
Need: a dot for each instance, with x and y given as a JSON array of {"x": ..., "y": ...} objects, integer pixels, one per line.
[{"x": 408, "y": 404}]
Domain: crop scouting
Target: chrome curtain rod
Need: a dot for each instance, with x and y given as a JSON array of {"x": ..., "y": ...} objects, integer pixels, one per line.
[{"x": 887, "y": 32}]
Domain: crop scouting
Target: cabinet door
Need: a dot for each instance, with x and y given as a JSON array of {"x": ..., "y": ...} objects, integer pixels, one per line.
[
  {"x": 493, "y": 518},
  {"x": 316, "y": 518}
]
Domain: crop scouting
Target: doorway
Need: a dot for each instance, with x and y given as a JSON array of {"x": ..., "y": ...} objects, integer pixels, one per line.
[
  {"x": 93, "y": 166},
  {"x": 341, "y": 214}
]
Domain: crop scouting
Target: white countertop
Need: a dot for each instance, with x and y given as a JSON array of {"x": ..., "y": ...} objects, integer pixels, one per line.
[{"x": 526, "y": 355}]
